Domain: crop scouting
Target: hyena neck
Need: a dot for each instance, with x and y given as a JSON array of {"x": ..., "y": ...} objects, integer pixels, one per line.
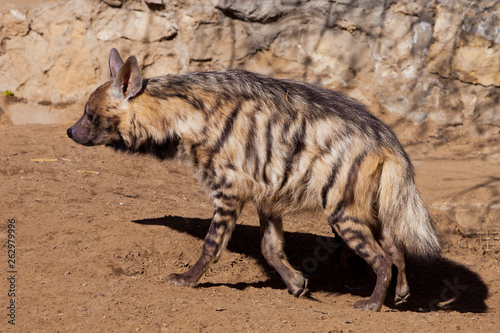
[
  {"x": 163, "y": 150},
  {"x": 161, "y": 121},
  {"x": 148, "y": 130}
]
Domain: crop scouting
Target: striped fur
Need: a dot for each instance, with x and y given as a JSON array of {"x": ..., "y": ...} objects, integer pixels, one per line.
[{"x": 283, "y": 145}]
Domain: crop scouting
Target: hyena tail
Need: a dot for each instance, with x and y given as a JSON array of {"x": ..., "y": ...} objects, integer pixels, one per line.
[{"x": 403, "y": 213}]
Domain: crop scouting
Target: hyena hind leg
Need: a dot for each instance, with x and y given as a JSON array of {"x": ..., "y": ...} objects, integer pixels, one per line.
[
  {"x": 346, "y": 253},
  {"x": 272, "y": 248},
  {"x": 226, "y": 211},
  {"x": 397, "y": 253},
  {"x": 359, "y": 238}
]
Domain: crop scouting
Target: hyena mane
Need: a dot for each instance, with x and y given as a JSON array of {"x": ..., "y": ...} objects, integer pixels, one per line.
[{"x": 284, "y": 146}]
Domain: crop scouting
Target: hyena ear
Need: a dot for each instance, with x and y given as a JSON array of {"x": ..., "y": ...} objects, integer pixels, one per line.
[
  {"x": 115, "y": 62},
  {"x": 128, "y": 80}
]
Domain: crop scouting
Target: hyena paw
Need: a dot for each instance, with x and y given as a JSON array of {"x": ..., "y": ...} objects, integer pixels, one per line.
[
  {"x": 299, "y": 291},
  {"x": 180, "y": 280},
  {"x": 401, "y": 296},
  {"x": 368, "y": 304}
]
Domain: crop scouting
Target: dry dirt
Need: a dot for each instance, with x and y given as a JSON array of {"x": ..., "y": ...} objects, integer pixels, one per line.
[{"x": 97, "y": 232}]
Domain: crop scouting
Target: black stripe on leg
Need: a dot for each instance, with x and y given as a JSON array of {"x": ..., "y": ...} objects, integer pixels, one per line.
[
  {"x": 222, "y": 183},
  {"x": 210, "y": 243},
  {"x": 223, "y": 212},
  {"x": 361, "y": 251},
  {"x": 349, "y": 235},
  {"x": 343, "y": 218},
  {"x": 215, "y": 226},
  {"x": 221, "y": 195}
]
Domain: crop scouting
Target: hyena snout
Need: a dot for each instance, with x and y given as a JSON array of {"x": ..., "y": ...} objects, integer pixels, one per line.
[{"x": 80, "y": 134}]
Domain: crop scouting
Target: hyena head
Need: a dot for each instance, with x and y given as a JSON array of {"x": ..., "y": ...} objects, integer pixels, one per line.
[{"x": 108, "y": 104}]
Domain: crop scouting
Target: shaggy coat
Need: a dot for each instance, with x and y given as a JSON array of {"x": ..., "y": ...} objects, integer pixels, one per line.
[{"x": 285, "y": 146}]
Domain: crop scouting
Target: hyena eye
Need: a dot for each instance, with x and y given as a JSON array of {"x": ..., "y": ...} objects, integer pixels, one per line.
[{"x": 90, "y": 117}]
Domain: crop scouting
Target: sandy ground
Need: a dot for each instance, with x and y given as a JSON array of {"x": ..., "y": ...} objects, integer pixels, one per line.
[{"x": 96, "y": 232}]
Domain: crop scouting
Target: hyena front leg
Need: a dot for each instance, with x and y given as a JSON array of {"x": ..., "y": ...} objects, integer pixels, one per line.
[
  {"x": 359, "y": 237},
  {"x": 272, "y": 248},
  {"x": 396, "y": 251},
  {"x": 226, "y": 211}
]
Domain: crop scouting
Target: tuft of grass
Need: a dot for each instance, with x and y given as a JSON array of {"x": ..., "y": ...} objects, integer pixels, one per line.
[{"x": 8, "y": 93}]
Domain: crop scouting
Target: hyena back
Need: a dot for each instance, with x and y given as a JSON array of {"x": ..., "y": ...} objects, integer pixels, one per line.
[{"x": 283, "y": 145}]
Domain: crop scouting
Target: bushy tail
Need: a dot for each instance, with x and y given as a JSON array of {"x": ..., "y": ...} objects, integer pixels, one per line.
[{"x": 403, "y": 212}]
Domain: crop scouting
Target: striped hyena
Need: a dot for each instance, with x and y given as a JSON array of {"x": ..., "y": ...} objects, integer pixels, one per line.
[{"x": 283, "y": 145}]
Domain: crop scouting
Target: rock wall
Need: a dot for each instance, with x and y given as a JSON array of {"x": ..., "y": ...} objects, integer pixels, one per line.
[{"x": 425, "y": 60}]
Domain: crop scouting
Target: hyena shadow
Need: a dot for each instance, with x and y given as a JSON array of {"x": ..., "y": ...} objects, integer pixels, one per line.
[{"x": 332, "y": 268}]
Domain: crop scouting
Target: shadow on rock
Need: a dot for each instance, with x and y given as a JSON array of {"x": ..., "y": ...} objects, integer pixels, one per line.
[{"x": 332, "y": 268}]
